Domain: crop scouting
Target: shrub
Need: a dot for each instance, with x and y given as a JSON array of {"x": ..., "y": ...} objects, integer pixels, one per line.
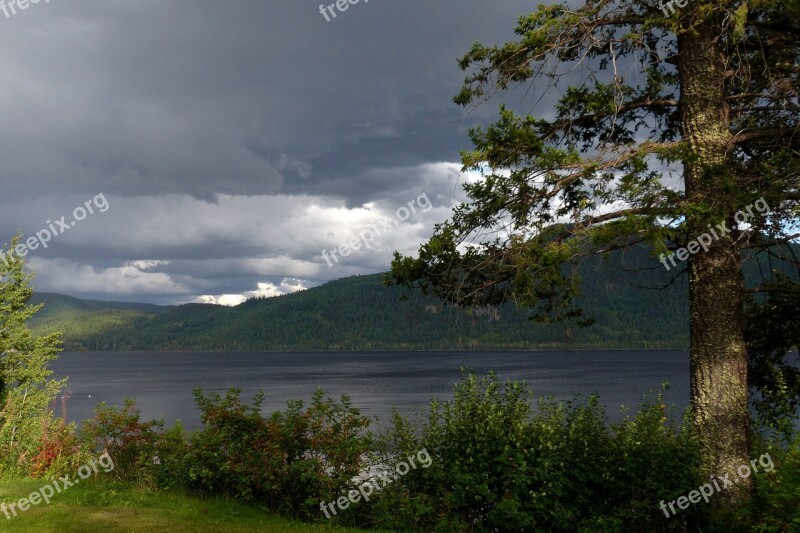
[
  {"x": 142, "y": 452},
  {"x": 291, "y": 461},
  {"x": 498, "y": 464},
  {"x": 326, "y": 446},
  {"x": 58, "y": 450},
  {"x": 235, "y": 453},
  {"x": 648, "y": 460},
  {"x": 777, "y": 499},
  {"x": 501, "y": 466}
]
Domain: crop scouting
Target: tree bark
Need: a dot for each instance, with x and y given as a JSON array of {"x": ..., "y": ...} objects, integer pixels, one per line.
[{"x": 719, "y": 392}]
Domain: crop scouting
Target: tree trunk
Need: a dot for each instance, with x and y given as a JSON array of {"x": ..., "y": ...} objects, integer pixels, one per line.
[{"x": 719, "y": 392}]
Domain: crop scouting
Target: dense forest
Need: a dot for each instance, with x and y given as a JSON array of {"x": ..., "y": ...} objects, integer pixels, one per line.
[{"x": 633, "y": 300}]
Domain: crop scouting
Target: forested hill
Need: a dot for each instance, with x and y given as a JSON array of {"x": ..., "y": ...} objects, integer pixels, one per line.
[{"x": 361, "y": 313}]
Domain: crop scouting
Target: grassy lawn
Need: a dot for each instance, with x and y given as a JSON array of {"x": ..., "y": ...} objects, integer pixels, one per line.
[{"x": 100, "y": 506}]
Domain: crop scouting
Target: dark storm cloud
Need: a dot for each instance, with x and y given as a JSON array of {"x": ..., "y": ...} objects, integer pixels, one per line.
[{"x": 165, "y": 106}]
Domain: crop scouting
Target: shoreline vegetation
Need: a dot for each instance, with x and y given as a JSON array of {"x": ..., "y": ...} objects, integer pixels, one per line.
[
  {"x": 441, "y": 351},
  {"x": 584, "y": 473}
]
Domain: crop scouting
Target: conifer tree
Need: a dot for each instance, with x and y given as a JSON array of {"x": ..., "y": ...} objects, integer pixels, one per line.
[
  {"x": 27, "y": 391},
  {"x": 671, "y": 119}
]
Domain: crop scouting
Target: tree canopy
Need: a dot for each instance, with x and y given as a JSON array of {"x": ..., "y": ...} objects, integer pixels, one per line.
[
  {"x": 667, "y": 125},
  {"x": 26, "y": 390}
]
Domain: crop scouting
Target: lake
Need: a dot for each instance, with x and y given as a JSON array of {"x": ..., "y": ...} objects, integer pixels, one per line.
[{"x": 162, "y": 382}]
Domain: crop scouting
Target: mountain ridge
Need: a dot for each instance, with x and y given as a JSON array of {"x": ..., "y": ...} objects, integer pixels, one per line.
[{"x": 361, "y": 313}]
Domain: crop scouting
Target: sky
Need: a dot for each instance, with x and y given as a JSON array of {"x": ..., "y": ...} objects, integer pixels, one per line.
[{"x": 205, "y": 151}]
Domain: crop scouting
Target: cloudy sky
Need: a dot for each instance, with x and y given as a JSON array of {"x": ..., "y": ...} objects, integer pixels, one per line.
[{"x": 230, "y": 143}]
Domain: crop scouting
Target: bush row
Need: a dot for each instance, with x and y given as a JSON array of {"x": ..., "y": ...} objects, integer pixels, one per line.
[{"x": 500, "y": 461}]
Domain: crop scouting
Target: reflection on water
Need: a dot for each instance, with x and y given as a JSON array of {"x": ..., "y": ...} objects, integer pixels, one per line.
[{"x": 162, "y": 383}]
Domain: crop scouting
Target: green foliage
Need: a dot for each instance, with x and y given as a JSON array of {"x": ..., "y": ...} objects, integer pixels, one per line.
[
  {"x": 640, "y": 91},
  {"x": 591, "y": 174},
  {"x": 773, "y": 335},
  {"x": 291, "y": 461},
  {"x": 777, "y": 501},
  {"x": 142, "y": 452},
  {"x": 59, "y": 450},
  {"x": 499, "y": 462},
  {"x": 501, "y": 465},
  {"x": 234, "y": 454},
  {"x": 26, "y": 392}
]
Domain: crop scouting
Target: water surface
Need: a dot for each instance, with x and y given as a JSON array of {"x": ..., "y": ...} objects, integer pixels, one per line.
[{"x": 162, "y": 382}]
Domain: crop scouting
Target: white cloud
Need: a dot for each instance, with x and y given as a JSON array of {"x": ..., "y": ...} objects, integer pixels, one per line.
[
  {"x": 186, "y": 249},
  {"x": 63, "y": 275},
  {"x": 264, "y": 290}
]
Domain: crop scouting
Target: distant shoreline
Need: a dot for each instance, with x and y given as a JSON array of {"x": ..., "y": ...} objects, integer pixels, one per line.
[{"x": 298, "y": 351}]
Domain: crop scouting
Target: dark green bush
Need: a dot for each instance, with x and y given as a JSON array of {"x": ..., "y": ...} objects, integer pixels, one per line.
[
  {"x": 235, "y": 453},
  {"x": 500, "y": 465},
  {"x": 776, "y": 505},
  {"x": 500, "y": 462},
  {"x": 292, "y": 461}
]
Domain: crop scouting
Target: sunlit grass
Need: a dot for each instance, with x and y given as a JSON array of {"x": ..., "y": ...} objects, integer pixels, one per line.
[{"x": 102, "y": 506}]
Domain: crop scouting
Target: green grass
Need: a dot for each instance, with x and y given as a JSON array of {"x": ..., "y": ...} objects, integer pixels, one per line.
[{"x": 103, "y": 506}]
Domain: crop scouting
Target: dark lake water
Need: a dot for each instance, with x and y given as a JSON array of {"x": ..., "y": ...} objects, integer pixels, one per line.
[{"x": 162, "y": 383}]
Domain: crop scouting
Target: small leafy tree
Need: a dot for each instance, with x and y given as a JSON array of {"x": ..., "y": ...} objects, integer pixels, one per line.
[{"x": 26, "y": 390}]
